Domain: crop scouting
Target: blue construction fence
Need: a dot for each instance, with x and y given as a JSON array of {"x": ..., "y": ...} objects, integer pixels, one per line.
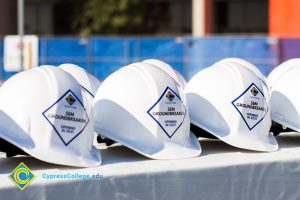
[{"x": 101, "y": 56}]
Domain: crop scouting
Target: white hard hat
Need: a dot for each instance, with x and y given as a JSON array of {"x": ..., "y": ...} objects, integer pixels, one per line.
[
  {"x": 141, "y": 107},
  {"x": 285, "y": 101},
  {"x": 246, "y": 64},
  {"x": 86, "y": 80},
  {"x": 228, "y": 102},
  {"x": 170, "y": 70},
  {"x": 281, "y": 69},
  {"x": 45, "y": 113}
]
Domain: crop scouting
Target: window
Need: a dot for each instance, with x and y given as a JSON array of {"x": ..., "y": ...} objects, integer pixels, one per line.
[{"x": 240, "y": 16}]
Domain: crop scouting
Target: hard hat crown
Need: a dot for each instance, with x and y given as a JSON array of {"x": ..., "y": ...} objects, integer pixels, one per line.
[{"x": 179, "y": 79}]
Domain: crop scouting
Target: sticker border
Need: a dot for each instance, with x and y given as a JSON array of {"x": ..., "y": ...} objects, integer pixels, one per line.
[
  {"x": 88, "y": 120},
  {"x": 87, "y": 91},
  {"x": 242, "y": 114},
  {"x": 158, "y": 122}
]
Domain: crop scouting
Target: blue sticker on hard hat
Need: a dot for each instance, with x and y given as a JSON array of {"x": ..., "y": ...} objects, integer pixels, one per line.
[
  {"x": 251, "y": 105},
  {"x": 168, "y": 111},
  {"x": 67, "y": 116}
]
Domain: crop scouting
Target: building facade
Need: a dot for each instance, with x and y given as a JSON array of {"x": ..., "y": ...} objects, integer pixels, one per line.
[{"x": 167, "y": 17}]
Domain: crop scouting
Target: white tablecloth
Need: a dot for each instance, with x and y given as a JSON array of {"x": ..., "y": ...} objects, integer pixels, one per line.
[{"x": 221, "y": 172}]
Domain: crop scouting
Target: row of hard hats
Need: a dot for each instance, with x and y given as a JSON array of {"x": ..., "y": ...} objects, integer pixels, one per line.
[
  {"x": 229, "y": 100},
  {"x": 51, "y": 113}
]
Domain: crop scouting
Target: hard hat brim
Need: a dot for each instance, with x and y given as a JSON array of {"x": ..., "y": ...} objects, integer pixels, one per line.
[
  {"x": 165, "y": 150},
  {"x": 267, "y": 143},
  {"x": 23, "y": 141},
  {"x": 69, "y": 160},
  {"x": 63, "y": 159}
]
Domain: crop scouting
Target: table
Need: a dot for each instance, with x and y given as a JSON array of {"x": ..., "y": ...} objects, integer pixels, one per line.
[{"x": 221, "y": 172}]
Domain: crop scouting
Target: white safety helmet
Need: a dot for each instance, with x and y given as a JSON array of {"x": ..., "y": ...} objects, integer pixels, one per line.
[
  {"x": 228, "y": 102},
  {"x": 285, "y": 99},
  {"x": 141, "y": 107},
  {"x": 170, "y": 70},
  {"x": 45, "y": 113},
  {"x": 86, "y": 80}
]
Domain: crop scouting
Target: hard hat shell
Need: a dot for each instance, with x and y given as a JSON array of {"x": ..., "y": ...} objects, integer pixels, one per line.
[
  {"x": 246, "y": 64},
  {"x": 281, "y": 69},
  {"x": 170, "y": 70},
  {"x": 141, "y": 107},
  {"x": 228, "y": 102},
  {"x": 285, "y": 101},
  {"x": 44, "y": 112},
  {"x": 86, "y": 80}
]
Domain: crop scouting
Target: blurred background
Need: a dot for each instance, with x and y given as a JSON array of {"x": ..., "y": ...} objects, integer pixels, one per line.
[{"x": 104, "y": 35}]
